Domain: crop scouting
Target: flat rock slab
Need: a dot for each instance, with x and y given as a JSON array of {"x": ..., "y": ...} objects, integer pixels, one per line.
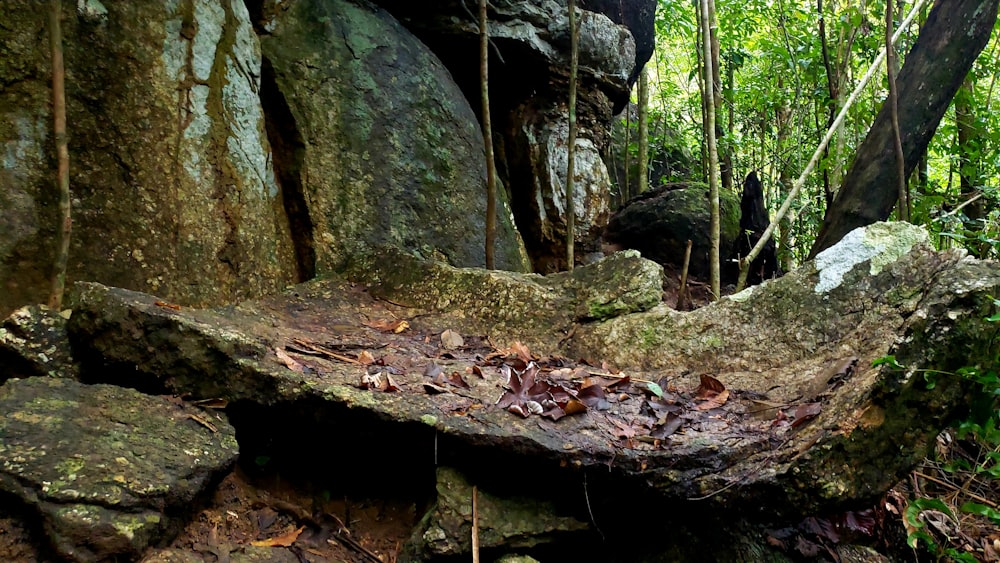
[
  {"x": 108, "y": 469},
  {"x": 797, "y": 419}
]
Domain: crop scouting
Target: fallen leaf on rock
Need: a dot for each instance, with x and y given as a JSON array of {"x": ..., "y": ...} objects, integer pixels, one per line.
[
  {"x": 709, "y": 387},
  {"x": 166, "y": 305},
  {"x": 365, "y": 358},
  {"x": 624, "y": 430},
  {"x": 383, "y": 325},
  {"x": 451, "y": 339},
  {"x": 456, "y": 379},
  {"x": 432, "y": 389},
  {"x": 593, "y": 396},
  {"x": 714, "y": 402},
  {"x": 805, "y": 413},
  {"x": 478, "y": 371},
  {"x": 371, "y": 381},
  {"x": 390, "y": 384},
  {"x": 667, "y": 425},
  {"x": 522, "y": 351},
  {"x": 284, "y": 540},
  {"x": 288, "y": 361}
]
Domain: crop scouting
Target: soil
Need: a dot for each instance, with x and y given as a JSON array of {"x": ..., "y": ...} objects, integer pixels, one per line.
[{"x": 245, "y": 510}]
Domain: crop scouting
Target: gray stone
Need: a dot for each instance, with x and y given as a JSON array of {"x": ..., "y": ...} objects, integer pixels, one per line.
[
  {"x": 107, "y": 469},
  {"x": 33, "y": 342},
  {"x": 503, "y": 522},
  {"x": 172, "y": 186},
  {"x": 391, "y": 152}
]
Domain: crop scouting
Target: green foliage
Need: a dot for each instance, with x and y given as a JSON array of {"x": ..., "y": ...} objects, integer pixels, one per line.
[{"x": 777, "y": 106}]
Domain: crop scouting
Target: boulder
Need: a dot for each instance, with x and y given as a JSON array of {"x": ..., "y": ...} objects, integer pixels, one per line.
[
  {"x": 107, "y": 470},
  {"x": 658, "y": 223},
  {"x": 172, "y": 186},
  {"x": 379, "y": 141},
  {"x": 529, "y": 77},
  {"x": 508, "y": 523}
]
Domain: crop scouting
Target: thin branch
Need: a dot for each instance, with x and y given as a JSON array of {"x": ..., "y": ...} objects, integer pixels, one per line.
[
  {"x": 902, "y": 206},
  {"x": 62, "y": 152}
]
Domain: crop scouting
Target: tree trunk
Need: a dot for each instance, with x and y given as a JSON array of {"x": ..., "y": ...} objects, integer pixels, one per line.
[
  {"x": 707, "y": 13},
  {"x": 62, "y": 153},
  {"x": 643, "y": 132},
  {"x": 956, "y": 31},
  {"x": 574, "y": 35},
  {"x": 491, "y": 175}
]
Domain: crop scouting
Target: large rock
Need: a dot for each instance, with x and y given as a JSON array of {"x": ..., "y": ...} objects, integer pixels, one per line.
[
  {"x": 529, "y": 100},
  {"x": 384, "y": 147},
  {"x": 806, "y": 424},
  {"x": 658, "y": 223},
  {"x": 173, "y": 190},
  {"x": 107, "y": 469}
]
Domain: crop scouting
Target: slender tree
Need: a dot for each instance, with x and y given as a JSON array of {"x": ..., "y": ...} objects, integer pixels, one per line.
[
  {"x": 713, "y": 154},
  {"x": 62, "y": 153},
  {"x": 574, "y": 35},
  {"x": 643, "y": 131},
  {"x": 903, "y": 204},
  {"x": 491, "y": 176}
]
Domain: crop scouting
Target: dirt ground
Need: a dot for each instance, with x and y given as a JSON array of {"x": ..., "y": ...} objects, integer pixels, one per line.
[{"x": 263, "y": 519}]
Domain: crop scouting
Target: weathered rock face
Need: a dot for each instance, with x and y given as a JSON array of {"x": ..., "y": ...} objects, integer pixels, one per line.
[
  {"x": 805, "y": 341},
  {"x": 658, "y": 223},
  {"x": 33, "y": 343},
  {"x": 385, "y": 149},
  {"x": 107, "y": 469},
  {"x": 529, "y": 97},
  {"x": 172, "y": 187}
]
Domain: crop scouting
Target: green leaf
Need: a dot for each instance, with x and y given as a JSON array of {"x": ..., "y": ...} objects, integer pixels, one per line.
[
  {"x": 889, "y": 360},
  {"x": 655, "y": 389},
  {"x": 981, "y": 510}
]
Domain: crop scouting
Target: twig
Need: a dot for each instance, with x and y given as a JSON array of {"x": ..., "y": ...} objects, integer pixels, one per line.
[
  {"x": 586, "y": 498},
  {"x": 475, "y": 525},
  {"x": 322, "y": 351},
  {"x": 955, "y": 487}
]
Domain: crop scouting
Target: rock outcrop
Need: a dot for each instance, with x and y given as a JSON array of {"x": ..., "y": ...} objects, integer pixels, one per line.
[
  {"x": 172, "y": 186},
  {"x": 380, "y": 143},
  {"x": 807, "y": 394},
  {"x": 529, "y": 71},
  {"x": 107, "y": 470}
]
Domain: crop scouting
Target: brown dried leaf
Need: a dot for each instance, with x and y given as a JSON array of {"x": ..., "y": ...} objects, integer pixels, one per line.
[
  {"x": 284, "y": 540},
  {"x": 709, "y": 387},
  {"x": 456, "y": 379},
  {"x": 805, "y": 413},
  {"x": 714, "y": 402},
  {"x": 365, "y": 358},
  {"x": 390, "y": 384},
  {"x": 667, "y": 425},
  {"x": 478, "y": 371},
  {"x": 384, "y": 325},
  {"x": 624, "y": 430},
  {"x": 522, "y": 352},
  {"x": 288, "y": 361},
  {"x": 432, "y": 389},
  {"x": 166, "y": 305}
]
